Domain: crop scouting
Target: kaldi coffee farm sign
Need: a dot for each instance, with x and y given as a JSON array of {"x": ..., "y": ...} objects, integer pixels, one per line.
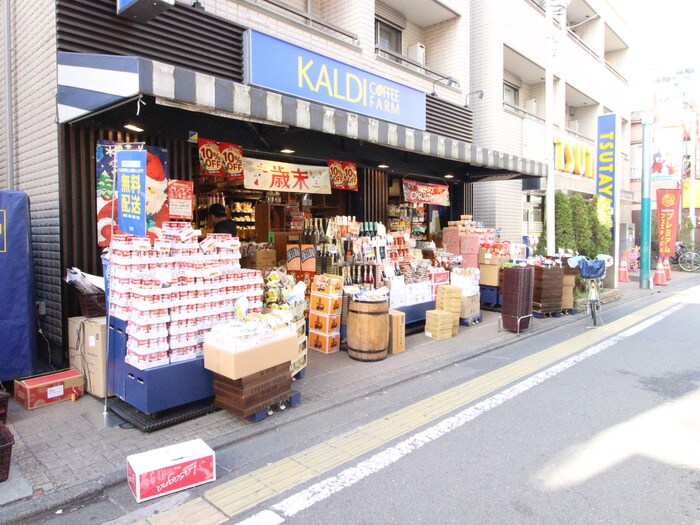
[{"x": 425, "y": 193}]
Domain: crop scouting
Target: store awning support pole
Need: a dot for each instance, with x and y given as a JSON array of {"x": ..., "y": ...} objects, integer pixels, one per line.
[
  {"x": 9, "y": 117},
  {"x": 645, "y": 232}
]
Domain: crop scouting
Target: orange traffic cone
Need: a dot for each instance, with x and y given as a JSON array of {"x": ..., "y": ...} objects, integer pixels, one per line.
[
  {"x": 623, "y": 275},
  {"x": 667, "y": 269},
  {"x": 660, "y": 275}
]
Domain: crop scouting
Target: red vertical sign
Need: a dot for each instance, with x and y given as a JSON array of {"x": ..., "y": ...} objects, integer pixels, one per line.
[{"x": 667, "y": 206}]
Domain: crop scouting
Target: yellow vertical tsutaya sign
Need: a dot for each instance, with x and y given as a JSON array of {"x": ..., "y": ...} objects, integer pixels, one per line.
[{"x": 3, "y": 231}]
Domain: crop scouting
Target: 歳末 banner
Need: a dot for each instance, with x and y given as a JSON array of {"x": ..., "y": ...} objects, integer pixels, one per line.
[
  {"x": 425, "y": 193},
  {"x": 270, "y": 175},
  {"x": 667, "y": 207}
]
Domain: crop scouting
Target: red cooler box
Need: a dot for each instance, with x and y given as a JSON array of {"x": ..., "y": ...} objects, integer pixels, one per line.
[{"x": 169, "y": 469}]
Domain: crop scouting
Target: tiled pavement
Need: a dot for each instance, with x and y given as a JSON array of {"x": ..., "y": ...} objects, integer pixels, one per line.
[{"x": 66, "y": 452}]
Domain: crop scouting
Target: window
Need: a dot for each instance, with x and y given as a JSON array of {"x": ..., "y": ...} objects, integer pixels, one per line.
[
  {"x": 511, "y": 94},
  {"x": 388, "y": 37}
]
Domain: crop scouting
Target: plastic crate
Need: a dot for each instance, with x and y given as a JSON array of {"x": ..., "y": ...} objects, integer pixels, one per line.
[
  {"x": 4, "y": 400},
  {"x": 92, "y": 305},
  {"x": 6, "y": 442}
]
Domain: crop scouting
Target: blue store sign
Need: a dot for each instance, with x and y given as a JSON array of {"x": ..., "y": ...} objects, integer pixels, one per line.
[
  {"x": 280, "y": 66},
  {"x": 131, "y": 185}
]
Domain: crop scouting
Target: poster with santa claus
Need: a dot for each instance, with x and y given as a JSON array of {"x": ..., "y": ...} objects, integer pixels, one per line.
[{"x": 157, "y": 175}]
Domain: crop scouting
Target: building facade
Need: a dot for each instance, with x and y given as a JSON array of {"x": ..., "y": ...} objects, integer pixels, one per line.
[{"x": 587, "y": 50}]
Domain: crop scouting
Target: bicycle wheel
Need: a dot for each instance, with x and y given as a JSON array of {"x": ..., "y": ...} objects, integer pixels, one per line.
[
  {"x": 595, "y": 310},
  {"x": 689, "y": 261}
]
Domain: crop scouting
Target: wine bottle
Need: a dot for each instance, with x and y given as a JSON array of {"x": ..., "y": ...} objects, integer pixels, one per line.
[{"x": 370, "y": 279}]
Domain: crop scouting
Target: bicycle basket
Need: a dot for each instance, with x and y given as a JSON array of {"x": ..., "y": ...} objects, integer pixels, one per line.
[{"x": 591, "y": 269}]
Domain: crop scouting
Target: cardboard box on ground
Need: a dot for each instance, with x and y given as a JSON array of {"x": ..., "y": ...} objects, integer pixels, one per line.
[
  {"x": 87, "y": 352},
  {"x": 47, "y": 389}
]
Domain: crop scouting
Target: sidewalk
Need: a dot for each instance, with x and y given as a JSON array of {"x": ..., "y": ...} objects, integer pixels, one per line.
[{"x": 66, "y": 452}]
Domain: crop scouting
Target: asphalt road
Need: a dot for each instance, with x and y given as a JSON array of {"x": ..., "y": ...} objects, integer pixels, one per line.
[{"x": 575, "y": 425}]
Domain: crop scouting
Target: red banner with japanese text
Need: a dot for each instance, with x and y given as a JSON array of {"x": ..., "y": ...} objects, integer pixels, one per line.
[
  {"x": 667, "y": 207},
  {"x": 343, "y": 175},
  {"x": 181, "y": 195},
  {"x": 425, "y": 193}
]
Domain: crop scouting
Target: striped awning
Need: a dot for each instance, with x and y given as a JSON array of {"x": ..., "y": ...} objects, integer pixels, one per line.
[{"x": 89, "y": 83}]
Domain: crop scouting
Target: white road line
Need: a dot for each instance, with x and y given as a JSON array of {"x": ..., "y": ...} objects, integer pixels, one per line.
[{"x": 323, "y": 489}]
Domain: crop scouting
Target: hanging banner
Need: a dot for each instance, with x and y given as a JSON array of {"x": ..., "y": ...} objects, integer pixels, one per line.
[
  {"x": 232, "y": 158},
  {"x": 131, "y": 187},
  {"x": 667, "y": 207},
  {"x": 219, "y": 159},
  {"x": 181, "y": 197},
  {"x": 343, "y": 175},
  {"x": 606, "y": 149},
  {"x": 210, "y": 162},
  {"x": 425, "y": 193},
  {"x": 157, "y": 169},
  {"x": 270, "y": 175}
]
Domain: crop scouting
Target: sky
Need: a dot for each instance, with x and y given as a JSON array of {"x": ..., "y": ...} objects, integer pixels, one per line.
[{"x": 668, "y": 37}]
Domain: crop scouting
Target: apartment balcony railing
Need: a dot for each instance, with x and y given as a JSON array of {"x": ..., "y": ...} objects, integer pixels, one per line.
[{"x": 403, "y": 60}]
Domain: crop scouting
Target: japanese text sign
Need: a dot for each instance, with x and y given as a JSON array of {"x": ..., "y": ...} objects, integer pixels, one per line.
[
  {"x": 131, "y": 185},
  {"x": 343, "y": 175},
  {"x": 280, "y": 176},
  {"x": 667, "y": 204},
  {"x": 181, "y": 195}
]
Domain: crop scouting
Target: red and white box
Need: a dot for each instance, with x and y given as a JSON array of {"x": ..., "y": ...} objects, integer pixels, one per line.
[{"x": 170, "y": 469}]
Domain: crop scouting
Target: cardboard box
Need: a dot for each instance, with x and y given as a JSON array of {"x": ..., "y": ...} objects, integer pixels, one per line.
[
  {"x": 470, "y": 306},
  {"x": 47, "y": 389},
  {"x": 397, "y": 295},
  {"x": 470, "y": 260},
  {"x": 326, "y": 304},
  {"x": 397, "y": 332},
  {"x": 89, "y": 357},
  {"x": 327, "y": 284},
  {"x": 293, "y": 258},
  {"x": 324, "y": 323},
  {"x": 236, "y": 363},
  {"x": 170, "y": 469},
  {"x": 75, "y": 325},
  {"x": 260, "y": 260},
  {"x": 417, "y": 293},
  {"x": 308, "y": 258},
  {"x": 486, "y": 257},
  {"x": 488, "y": 274},
  {"x": 326, "y": 343}
]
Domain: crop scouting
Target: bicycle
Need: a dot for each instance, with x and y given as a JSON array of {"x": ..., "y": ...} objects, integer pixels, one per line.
[
  {"x": 688, "y": 260},
  {"x": 592, "y": 271}
]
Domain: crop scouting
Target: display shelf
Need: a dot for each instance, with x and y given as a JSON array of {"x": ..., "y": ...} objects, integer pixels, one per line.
[{"x": 416, "y": 312}]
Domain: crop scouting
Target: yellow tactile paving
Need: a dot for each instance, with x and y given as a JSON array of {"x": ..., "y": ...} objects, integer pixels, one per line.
[
  {"x": 355, "y": 442},
  {"x": 385, "y": 429},
  {"x": 283, "y": 474},
  {"x": 239, "y": 495},
  {"x": 321, "y": 458},
  {"x": 250, "y": 490},
  {"x": 196, "y": 511}
]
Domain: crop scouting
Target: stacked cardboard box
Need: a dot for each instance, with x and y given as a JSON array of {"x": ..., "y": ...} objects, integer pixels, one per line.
[
  {"x": 470, "y": 307},
  {"x": 567, "y": 291},
  {"x": 438, "y": 324},
  {"x": 260, "y": 260},
  {"x": 449, "y": 298},
  {"x": 324, "y": 316},
  {"x": 254, "y": 392}
]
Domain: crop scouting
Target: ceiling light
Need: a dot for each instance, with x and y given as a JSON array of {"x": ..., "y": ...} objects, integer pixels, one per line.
[
  {"x": 382, "y": 166},
  {"x": 133, "y": 127},
  {"x": 449, "y": 176},
  {"x": 286, "y": 150}
]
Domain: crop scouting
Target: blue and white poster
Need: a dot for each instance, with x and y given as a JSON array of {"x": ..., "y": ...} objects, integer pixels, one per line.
[
  {"x": 131, "y": 187},
  {"x": 284, "y": 67}
]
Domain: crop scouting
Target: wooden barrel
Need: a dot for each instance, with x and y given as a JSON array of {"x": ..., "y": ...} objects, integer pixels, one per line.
[{"x": 368, "y": 330}]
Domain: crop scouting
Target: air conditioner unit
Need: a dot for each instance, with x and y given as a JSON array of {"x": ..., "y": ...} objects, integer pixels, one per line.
[
  {"x": 417, "y": 52},
  {"x": 531, "y": 106},
  {"x": 572, "y": 111}
]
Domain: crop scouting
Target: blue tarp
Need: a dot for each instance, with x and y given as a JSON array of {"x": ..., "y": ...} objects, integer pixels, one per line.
[{"x": 18, "y": 323}]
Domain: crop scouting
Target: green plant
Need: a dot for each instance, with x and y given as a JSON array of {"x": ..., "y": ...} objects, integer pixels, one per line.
[
  {"x": 583, "y": 235},
  {"x": 564, "y": 222},
  {"x": 600, "y": 217}
]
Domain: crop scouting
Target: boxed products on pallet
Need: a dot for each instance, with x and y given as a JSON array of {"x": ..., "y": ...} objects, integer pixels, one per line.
[
  {"x": 254, "y": 392},
  {"x": 467, "y": 279},
  {"x": 47, "y": 389},
  {"x": 449, "y": 298},
  {"x": 438, "y": 324},
  {"x": 240, "y": 348},
  {"x": 170, "y": 469}
]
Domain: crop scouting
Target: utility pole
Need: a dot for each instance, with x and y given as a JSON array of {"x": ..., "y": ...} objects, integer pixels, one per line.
[{"x": 645, "y": 233}]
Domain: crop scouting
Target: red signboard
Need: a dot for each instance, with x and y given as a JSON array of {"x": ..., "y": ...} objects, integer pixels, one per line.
[
  {"x": 667, "y": 206},
  {"x": 343, "y": 175},
  {"x": 425, "y": 193},
  {"x": 219, "y": 159},
  {"x": 181, "y": 195}
]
